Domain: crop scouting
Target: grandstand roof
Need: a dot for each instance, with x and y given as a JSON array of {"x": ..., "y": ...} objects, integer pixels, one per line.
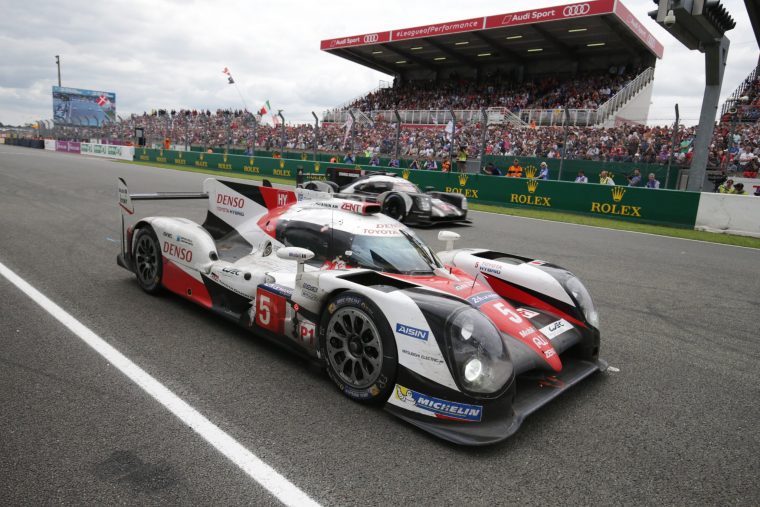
[{"x": 573, "y": 32}]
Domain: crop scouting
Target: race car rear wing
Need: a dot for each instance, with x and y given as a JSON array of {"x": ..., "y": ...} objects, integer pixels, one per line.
[
  {"x": 340, "y": 175},
  {"x": 127, "y": 208}
]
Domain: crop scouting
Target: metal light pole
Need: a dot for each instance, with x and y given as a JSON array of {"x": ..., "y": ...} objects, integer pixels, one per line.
[
  {"x": 229, "y": 133},
  {"x": 564, "y": 144},
  {"x": 398, "y": 134},
  {"x": 672, "y": 147},
  {"x": 58, "y": 64},
  {"x": 188, "y": 115},
  {"x": 700, "y": 25},
  {"x": 316, "y": 134},
  {"x": 255, "y": 125},
  {"x": 282, "y": 130},
  {"x": 451, "y": 142},
  {"x": 353, "y": 130},
  {"x": 483, "y": 132}
]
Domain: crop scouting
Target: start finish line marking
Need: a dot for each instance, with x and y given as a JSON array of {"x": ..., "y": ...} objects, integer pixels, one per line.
[{"x": 266, "y": 476}]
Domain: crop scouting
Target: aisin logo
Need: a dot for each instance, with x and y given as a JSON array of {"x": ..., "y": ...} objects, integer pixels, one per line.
[
  {"x": 618, "y": 193},
  {"x": 405, "y": 174},
  {"x": 530, "y": 172},
  {"x": 463, "y": 179},
  {"x": 532, "y": 185}
]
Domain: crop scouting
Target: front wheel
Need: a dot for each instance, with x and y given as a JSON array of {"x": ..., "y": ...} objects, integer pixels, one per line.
[
  {"x": 395, "y": 207},
  {"x": 358, "y": 347},
  {"x": 148, "y": 261}
]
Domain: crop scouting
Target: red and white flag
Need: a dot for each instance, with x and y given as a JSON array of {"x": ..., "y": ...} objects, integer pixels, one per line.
[{"x": 102, "y": 100}]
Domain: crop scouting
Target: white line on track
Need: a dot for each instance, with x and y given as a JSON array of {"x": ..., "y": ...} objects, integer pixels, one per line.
[{"x": 266, "y": 476}]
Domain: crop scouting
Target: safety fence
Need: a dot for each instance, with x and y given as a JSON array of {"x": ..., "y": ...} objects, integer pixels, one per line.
[{"x": 666, "y": 207}]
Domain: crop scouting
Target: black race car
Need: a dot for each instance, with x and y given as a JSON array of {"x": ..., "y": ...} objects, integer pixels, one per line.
[{"x": 400, "y": 199}]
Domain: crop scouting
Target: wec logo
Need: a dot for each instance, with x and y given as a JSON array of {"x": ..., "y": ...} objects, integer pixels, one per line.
[{"x": 576, "y": 10}]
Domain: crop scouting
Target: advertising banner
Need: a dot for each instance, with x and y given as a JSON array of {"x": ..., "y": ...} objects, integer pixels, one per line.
[
  {"x": 50, "y": 144},
  {"x": 67, "y": 146},
  {"x": 108, "y": 151},
  {"x": 551, "y": 14}
]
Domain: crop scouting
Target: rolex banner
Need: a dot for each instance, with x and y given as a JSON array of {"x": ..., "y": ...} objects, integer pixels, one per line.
[{"x": 667, "y": 207}]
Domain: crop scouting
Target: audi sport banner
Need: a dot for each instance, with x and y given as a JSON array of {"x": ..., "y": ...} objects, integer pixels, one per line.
[
  {"x": 551, "y": 14},
  {"x": 635, "y": 204}
]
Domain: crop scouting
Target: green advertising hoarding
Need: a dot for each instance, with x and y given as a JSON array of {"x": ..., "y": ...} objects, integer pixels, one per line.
[{"x": 668, "y": 207}]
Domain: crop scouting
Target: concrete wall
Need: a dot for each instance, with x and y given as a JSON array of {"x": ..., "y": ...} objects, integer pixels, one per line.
[{"x": 732, "y": 214}]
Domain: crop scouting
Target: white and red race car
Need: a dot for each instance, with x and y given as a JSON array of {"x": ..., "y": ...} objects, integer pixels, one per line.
[{"x": 463, "y": 344}]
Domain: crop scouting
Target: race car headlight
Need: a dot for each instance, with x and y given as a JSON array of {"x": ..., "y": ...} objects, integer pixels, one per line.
[
  {"x": 480, "y": 357},
  {"x": 464, "y": 203},
  {"x": 423, "y": 202},
  {"x": 579, "y": 292}
]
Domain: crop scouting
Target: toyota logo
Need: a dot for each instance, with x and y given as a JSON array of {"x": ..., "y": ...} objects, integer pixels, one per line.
[
  {"x": 576, "y": 10},
  {"x": 373, "y": 37}
]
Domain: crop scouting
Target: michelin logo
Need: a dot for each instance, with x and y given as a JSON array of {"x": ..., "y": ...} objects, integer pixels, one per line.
[
  {"x": 439, "y": 408},
  {"x": 420, "y": 334}
]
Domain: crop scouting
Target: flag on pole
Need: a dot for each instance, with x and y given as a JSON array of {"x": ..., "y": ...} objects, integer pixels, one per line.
[
  {"x": 226, "y": 71},
  {"x": 230, "y": 80},
  {"x": 265, "y": 108}
]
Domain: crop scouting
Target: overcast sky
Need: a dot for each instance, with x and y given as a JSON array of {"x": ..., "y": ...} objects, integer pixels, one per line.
[{"x": 170, "y": 54}]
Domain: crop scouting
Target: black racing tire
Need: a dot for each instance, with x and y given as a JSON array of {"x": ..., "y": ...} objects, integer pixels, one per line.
[
  {"x": 395, "y": 207},
  {"x": 311, "y": 186},
  {"x": 358, "y": 348},
  {"x": 149, "y": 267}
]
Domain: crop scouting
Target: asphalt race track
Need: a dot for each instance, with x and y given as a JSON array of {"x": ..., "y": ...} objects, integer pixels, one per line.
[{"x": 676, "y": 425}]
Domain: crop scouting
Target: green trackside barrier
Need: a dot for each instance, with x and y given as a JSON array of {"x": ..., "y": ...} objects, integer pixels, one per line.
[
  {"x": 591, "y": 168},
  {"x": 665, "y": 207}
]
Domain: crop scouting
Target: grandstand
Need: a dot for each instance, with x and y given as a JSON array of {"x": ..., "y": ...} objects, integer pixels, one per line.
[{"x": 594, "y": 59}]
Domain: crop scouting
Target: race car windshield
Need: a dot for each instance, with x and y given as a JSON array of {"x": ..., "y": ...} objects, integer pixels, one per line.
[
  {"x": 405, "y": 186},
  {"x": 396, "y": 254}
]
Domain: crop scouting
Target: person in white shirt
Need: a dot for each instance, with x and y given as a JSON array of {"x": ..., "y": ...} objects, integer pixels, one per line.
[
  {"x": 581, "y": 178},
  {"x": 605, "y": 178}
]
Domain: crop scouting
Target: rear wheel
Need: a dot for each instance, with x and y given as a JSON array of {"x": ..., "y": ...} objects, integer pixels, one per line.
[
  {"x": 395, "y": 207},
  {"x": 359, "y": 349},
  {"x": 148, "y": 261}
]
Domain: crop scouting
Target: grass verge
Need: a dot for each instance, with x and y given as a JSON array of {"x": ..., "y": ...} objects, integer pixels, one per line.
[{"x": 555, "y": 216}]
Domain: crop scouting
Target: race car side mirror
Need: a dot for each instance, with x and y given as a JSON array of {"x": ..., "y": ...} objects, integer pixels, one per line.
[
  {"x": 294, "y": 253},
  {"x": 449, "y": 237}
]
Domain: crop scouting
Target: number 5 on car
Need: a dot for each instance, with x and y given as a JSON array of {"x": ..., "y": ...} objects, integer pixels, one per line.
[{"x": 270, "y": 311}]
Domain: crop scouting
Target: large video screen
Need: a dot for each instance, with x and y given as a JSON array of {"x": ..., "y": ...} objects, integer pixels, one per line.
[{"x": 88, "y": 108}]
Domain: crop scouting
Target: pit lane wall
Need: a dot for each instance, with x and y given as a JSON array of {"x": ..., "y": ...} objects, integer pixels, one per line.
[
  {"x": 666, "y": 207},
  {"x": 734, "y": 214}
]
